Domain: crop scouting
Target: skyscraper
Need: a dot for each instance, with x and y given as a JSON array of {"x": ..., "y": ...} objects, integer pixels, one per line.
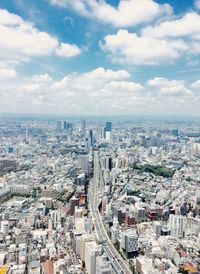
[
  {"x": 27, "y": 136},
  {"x": 107, "y": 130},
  {"x": 108, "y": 126},
  {"x": 83, "y": 128},
  {"x": 96, "y": 164}
]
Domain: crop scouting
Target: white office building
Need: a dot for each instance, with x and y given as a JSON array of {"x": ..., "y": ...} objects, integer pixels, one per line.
[{"x": 176, "y": 225}]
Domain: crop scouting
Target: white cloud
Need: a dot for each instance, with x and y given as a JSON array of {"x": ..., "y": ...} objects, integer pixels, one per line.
[
  {"x": 165, "y": 42},
  {"x": 187, "y": 26},
  {"x": 196, "y": 85},
  {"x": 41, "y": 78},
  {"x": 125, "y": 47},
  {"x": 124, "y": 86},
  {"x": 90, "y": 80},
  {"x": 20, "y": 40},
  {"x": 98, "y": 91},
  {"x": 9, "y": 19},
  {"x": 169, "y": 87},
  {"x": 127, "y": 13},
  {"x": 67, "y": 50},
  {"x": 6, "y": 73}
]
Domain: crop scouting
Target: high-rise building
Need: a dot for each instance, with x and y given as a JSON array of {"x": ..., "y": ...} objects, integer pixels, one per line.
[
  {"x": 65, "y": 125},
  {"x": 91, "y": 252},
  {"x": 96, "y": 164},
  {"x": 108, "y": 130},
  {"x": 102, "y": 265},
  {"x": 90, "y": 138},
  {"x": 83, "y": 128},
  {"x": 130, "y": 243},
  {"x": 83, "y": 163},
  {"x": 27, "y": 136},
  {"x": 108, "y": 126},
  {"x": 177, "y": 225},
  {"x": 73, "y": 203}
]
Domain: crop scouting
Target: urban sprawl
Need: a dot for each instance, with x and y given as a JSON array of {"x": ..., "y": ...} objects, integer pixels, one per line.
[{"x": 99, "y": 197}]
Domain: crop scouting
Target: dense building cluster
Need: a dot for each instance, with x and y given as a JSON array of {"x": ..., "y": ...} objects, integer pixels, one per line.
[{"x": 99, "y": 197}]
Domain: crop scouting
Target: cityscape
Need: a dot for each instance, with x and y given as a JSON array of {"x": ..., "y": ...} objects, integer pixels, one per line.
[
  {"x": 99, "y": 197},
  {"x": 99, "y": 136}
]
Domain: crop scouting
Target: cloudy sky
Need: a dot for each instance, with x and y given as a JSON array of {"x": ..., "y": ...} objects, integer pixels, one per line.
[{"x": 93, "y": 57}]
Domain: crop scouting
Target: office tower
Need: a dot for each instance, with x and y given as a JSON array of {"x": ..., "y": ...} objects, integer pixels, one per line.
[
  {"x": 108, "y": 135},
  {"x": 102, "y": 132},
  {"x": 84, "y": 239},
  {"x": 27, "y": 136},
  {"x": 64, "y": 125},
  {"x": 102, "y": 265},
  {"x": 96, "y": 164},
  {"x": 90, "y": 138},
  {"x": 107, "y": 131},
  {"x": 83, "y": 163},
  {"x": 130, "y": 243},
  {"x": 91, "y": 251},
  {"x": 73, "y": 203},
  {"x": 83, "y": 128},
  {"x": 108, "y": 126},
  {"x": 176, "y": 225},
  {"x": 59, "y": 125}
]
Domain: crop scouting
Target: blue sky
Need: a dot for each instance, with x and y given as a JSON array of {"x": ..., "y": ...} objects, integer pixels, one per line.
[{"x": 137, "y": 57}]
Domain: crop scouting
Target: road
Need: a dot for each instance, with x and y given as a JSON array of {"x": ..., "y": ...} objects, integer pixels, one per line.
[{"x": 118, "y": 263}]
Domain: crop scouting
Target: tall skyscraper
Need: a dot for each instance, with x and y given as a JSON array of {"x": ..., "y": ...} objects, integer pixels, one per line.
[
  {"x": 108, "y": 130},
  {"x": 108, "y": 126},
  {"x": 96, "y": 164},
  {"x": 90, "y": 138},
  {"x": 83, "y": 128},
  {"x": 27, "y": 136},
  {"x": 65, "y": 125}
]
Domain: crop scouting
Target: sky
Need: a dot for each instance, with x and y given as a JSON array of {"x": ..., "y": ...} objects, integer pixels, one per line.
[{"x": 100, "y": 57}]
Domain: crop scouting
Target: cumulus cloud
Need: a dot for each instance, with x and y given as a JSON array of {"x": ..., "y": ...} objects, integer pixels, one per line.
[
  {"x": 99, "y": 91},
  {"x": 126, "y": 47},
  {"x": 67, "y": 50},
  {"x": 163, "y": 42},
  {"x": 20, "y": 40},
  {"x": 169, "y": 87},
  {"x": 90, "y": 80},
  {"x": 89, "y": 92},
  {"x": 187, "y": 26},
  {"x": 127, "y": 13}
]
